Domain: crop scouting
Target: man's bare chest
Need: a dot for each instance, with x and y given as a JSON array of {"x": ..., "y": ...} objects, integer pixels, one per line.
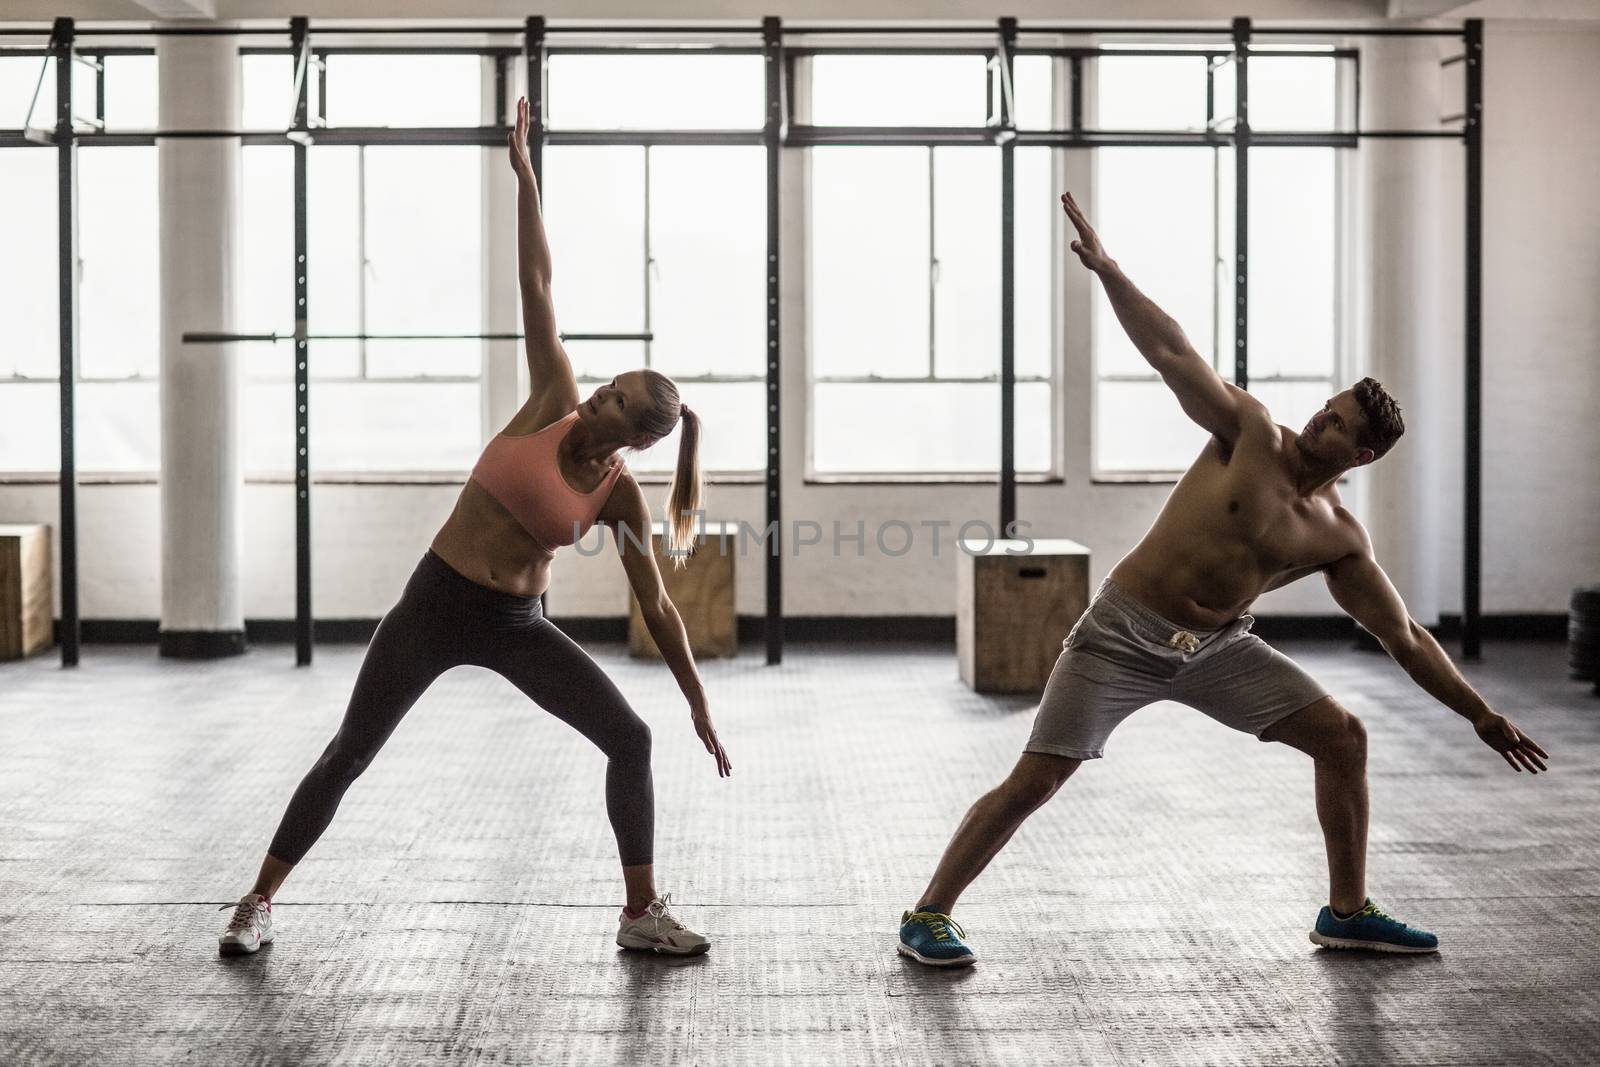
[{"x": 1255, "y": 507}]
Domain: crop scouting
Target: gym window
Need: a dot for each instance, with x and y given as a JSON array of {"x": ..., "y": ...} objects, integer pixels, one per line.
[
  {"x": 396, "y": 247},
  {"x": 664, "y": 243},
  {"x": 118, "y": 299},
  {"x": 904, "y": 290},
  {"x": 1167, "y": 216}
]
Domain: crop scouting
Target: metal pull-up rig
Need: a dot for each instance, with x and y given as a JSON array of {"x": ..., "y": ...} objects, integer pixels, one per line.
[{"x": 773, "y": 41}]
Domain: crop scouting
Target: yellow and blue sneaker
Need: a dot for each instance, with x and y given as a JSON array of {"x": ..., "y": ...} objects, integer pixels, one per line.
[
  {"x": 1371, "y": 929},
  {"x": 934, "y": 938}
]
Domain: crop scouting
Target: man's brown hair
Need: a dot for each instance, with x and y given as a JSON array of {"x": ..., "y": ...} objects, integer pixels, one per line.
[{"x": 1380, "y": 417}]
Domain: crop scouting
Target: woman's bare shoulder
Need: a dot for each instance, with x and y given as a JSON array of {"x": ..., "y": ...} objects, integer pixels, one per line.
[{"x": 537, "y": 413}]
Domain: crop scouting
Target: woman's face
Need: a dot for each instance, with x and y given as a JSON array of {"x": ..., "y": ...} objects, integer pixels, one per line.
[{"x": 613, "y": 411}]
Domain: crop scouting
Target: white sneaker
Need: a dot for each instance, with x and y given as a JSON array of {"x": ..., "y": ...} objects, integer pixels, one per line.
[
  {"x": 250, "y": 927},
  {"x": 658, "y": 930}
]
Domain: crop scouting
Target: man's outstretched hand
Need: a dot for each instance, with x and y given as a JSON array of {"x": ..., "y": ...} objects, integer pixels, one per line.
[
  {"x": 1087, "y": 246},
  {"x": 1514, "y": 746}
]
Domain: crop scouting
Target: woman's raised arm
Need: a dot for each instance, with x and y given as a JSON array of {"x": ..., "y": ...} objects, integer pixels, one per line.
[{"x": 549, "y": 369}]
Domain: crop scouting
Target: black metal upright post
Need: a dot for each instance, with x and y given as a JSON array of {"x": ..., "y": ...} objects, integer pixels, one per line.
[
  {"x": 1008, "y": 302},
  {"x": 1241, "y": 203},
  {"x": 772, "y": 52},
  {"x": 100, "y": 93},
  {"x": 1075, "y": 73},
  {"x": 534, "y": 58},
  {"x": 299, "y": 32},
  {"x": 1472, "y": 531},
  {"x": 61, "y": 39},
  {"x": 534, "y": 55},
  {"x": 499, "y": 91}
]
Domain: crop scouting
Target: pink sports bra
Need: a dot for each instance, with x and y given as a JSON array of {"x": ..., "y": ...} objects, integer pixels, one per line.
[{"x": 522, "y": 472}]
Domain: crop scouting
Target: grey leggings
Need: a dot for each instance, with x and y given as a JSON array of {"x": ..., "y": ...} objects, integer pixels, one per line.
[{"x": 444, "y": 620}]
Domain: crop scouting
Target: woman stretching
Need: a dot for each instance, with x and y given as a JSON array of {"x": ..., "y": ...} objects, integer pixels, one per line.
[{"x": 474, "y": 599}]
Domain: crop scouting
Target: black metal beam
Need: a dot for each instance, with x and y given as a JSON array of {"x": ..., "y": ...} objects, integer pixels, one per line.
[
  {"x": 695, "y": 30},
  {"x": 1353, "y": 31},
  {"x": 655, "y": 137},
  {"x": 1075, "y": 72},
  {"x": 688, "y": 30},
  {"x": 500, "y": 90},
  {"x": 1472, "y": 521},
  {"x": 1008, "y": 301},
  {"x": 180, "y": 31},
  {"x": 978, "y": 30},
  {"x": 395, "y": 50},
  {"x": 654, "y": 50},
  {"x": 445, "y": 31},
  {"x": 299, "y": 30},
  {"x": 798, "y": 137},
  {"x": 1092, "y": 52},
  {"x": 773, "y": 138},
  {"x": 1062, "y": 51},
  {"x": 203, "y": 337},
  {"x": 1148, "y": 30},
  {"x": 817, "y": 136},
  {"x": 319, "y": 60},
  {"x": 100, "y": 93},
  {"x": 61, "y": 44},
  {"x": 890, "y": 50},
  {"x": 1241, "y": 203}
]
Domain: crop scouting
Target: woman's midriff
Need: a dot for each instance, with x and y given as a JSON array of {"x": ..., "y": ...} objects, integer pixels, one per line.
[{"x": 483, "y": 542}]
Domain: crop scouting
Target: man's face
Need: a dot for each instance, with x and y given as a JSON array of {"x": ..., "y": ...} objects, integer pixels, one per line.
[{"x": 1330, "y": 436}]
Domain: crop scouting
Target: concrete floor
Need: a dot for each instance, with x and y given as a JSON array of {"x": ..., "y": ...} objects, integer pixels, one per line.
[{"x": 462, "y": 907}]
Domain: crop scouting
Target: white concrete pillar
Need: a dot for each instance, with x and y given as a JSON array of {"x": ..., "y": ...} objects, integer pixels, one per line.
[
  {"x": 504, "y": 376},
  {"x": 202, "y": 613},
  {"x": 1403, "y": 325}
]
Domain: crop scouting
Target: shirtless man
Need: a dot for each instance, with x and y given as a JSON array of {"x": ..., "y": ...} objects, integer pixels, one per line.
[{"x": 1258, "y": 510}]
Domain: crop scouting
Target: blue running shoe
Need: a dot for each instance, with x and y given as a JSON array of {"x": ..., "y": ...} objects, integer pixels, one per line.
[
  {"x": 1371, "y": 929},
  {"x": 935, "y": 939}
]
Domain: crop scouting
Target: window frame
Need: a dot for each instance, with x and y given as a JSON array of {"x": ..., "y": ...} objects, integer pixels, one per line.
[
  {"x": 1347, "y": 73},
  {"x": 646, "y": 140},
  {"x": 798, "y": 74},
  {"x": 1346, "y": 86},
  {"x": 93, "y": 64}
]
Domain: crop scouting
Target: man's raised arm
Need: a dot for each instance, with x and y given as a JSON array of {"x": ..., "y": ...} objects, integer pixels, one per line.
[
  {"x": 1218, "y": 406},
  {"x": 1362, "y": 589}
]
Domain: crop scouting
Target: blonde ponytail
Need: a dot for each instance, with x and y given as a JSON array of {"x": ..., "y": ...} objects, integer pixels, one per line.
[{"x": 683, "y": 500}]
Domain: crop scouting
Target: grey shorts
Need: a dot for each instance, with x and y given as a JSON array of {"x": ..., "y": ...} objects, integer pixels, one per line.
[{"x": 1122, "y": 656}]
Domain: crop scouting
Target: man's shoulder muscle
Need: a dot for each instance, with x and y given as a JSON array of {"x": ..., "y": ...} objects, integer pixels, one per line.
[
  {"x": 1257, "y": 432},
  {"x": 1349, "y": 536}
]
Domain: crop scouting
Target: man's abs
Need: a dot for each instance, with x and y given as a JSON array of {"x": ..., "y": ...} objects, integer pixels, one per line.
[{"x": 1195, "y": 588}]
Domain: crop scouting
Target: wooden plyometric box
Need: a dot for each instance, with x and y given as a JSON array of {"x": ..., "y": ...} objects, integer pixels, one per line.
[
  {"x": 1016, "y": 602},
  {"x": 702, "y": 591},
  {"x": 25, "y": 617}
]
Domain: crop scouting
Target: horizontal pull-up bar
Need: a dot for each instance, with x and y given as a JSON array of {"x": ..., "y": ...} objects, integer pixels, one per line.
[{"x": 199, "y": 337}]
